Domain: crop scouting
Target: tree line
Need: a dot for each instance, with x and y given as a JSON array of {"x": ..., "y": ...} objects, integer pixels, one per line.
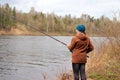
[
  {"x": 7, "y": 17},
  {"x": 50, "y": 22}
]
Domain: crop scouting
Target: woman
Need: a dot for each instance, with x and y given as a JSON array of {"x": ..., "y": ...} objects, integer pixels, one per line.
[{"x": 80, "y": 45}]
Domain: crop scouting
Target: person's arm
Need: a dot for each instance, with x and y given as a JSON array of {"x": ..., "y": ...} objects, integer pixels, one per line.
[
  {"x": 90, "y": 47},
  {"x": 71, "y": 45}
]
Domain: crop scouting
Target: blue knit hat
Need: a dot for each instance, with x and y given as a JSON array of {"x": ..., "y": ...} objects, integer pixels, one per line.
[{"x": 80, "y": 28}]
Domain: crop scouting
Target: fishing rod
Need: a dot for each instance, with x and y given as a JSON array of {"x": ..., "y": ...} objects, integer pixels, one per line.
[
  {"x": 47, "y": 34},
  {"x": 39, "y": 30}
]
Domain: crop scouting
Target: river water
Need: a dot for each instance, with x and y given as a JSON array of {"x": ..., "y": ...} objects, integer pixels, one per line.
[{"x": 33, "y": 57}]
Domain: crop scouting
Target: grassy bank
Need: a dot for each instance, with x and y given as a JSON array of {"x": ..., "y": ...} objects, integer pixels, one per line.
[{"x": 105, "y": 66}]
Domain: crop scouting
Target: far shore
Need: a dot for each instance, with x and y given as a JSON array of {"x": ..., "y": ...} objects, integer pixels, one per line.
[{"x": 18, "y": 32}]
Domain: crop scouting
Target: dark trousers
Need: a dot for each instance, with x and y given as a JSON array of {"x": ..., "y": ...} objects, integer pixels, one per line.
[{"x": 79, "y": 68}]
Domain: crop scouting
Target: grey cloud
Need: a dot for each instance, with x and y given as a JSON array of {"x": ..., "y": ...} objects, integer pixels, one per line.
[{"x": 73, "y": 7}]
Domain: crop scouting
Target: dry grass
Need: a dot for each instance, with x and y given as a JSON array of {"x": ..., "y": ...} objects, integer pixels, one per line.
[
  {"x": 105, "y": 65},
  {"x": 44, "y": 76},
  {"x": 65, "y": 76}
]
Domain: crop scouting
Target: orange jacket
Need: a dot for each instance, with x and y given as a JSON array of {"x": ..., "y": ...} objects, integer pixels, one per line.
[{"x": 80, "y": 45}]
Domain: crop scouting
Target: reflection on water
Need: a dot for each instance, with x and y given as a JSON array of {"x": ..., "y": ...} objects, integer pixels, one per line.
[{"x": 28, "y": 57}]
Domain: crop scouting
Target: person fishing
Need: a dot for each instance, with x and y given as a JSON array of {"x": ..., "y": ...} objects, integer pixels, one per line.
[{"x": 80, "y": 45}]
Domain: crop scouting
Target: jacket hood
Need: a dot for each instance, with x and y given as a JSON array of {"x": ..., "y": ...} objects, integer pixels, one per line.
[{"x": 81, "y": 36}]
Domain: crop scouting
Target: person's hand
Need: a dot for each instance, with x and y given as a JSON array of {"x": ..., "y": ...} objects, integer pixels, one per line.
[{"x": 68, "y": 46}]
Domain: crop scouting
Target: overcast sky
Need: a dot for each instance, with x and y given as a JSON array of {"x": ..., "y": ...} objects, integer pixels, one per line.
[{"x": 94, "y": 8}]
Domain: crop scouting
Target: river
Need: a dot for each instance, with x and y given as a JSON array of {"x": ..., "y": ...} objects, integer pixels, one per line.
[{"x": 32, "y": 57}]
